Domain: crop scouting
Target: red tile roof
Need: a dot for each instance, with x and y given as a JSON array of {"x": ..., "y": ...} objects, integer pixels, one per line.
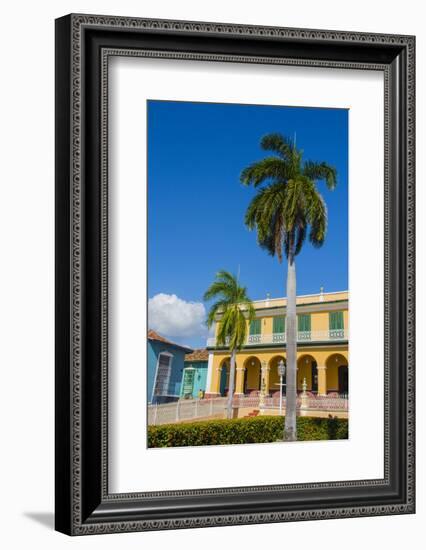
[
  {"x": 197, "y": 355},
  {"x": 152, "y": 335}
]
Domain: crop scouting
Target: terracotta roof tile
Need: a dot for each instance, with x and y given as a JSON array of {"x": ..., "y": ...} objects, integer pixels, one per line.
[
  {"x": 152, "y": 335},
  {"x": 197, "y": 355}
]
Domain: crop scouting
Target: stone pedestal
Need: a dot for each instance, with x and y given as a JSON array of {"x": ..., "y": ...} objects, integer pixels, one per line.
[
  {"x": 264, "y": 387},
  {"x": 304, "y": 397}
]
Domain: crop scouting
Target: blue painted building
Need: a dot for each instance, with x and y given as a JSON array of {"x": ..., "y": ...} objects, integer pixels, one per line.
[
  {"x": 165, "y": 368},
  {"x": 194, "y": 378}
]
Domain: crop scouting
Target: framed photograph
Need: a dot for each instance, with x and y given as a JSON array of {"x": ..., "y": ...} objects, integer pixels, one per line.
[{"x": 234, "y": 274}]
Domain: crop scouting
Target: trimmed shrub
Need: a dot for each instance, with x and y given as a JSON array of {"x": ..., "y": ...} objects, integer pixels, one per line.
[{"x": 260, "y": 429}]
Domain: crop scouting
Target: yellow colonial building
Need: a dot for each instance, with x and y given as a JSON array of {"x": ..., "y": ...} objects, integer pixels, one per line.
[{"x": 322, "y": 348}]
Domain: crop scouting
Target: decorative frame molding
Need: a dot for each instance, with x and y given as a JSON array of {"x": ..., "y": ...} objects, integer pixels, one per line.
[{"x": 84, "y": 43}]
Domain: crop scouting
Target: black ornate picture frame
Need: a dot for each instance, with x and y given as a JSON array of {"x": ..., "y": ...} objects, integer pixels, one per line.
[{"x": 84, "y": 43}]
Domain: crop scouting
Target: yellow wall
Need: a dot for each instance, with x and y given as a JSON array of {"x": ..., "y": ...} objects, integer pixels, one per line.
[
  {"x": 314, "y": 300},
  {"x": 267, "y": 325},
  {"x": 308, "y": 299},
  {"x": 332, "y": 379},
  {"x": 319, "y": 322},
  {"x": 304, "y": 370},
  {"x": 324, "y": 357},
  {"x": 346, "y": 318},
  {"x": 327, "y": 369}
]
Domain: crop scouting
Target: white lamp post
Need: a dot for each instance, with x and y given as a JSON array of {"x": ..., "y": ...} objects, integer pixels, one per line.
[
  {"x": 262, "y": 387},
  {"x": 281, "y": 372}
]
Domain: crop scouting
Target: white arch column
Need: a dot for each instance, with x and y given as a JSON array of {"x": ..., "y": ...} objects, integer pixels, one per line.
[
  {"x": 322, "y": 379},
  {"x": 239, "y": 381}
]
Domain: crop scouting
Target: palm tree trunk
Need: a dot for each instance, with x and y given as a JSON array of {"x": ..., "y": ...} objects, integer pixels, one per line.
[
  {"x": 290, "y": 432},
  {"x": 231, "y": 384}
]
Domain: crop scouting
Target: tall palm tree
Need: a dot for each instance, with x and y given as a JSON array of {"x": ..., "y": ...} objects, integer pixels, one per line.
[
  {"x": 231, "y": 310},
  {"x": 286, "y": 209}
]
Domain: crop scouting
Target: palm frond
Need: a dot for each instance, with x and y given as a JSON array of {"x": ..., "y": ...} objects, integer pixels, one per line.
[
  {"x": 321, "y": 171},
  {"x": 227, "y": 277},
  {"x": 217, "y": 288},
  {"x": 288, "y": 242},
  {"x": 230, "y": 309},
  {"x": 294, "y": 202},
  {"x": 279, "y": 144},
  {"x": 217, "y": 308},
  {"x": 225, "y": 285},
  {"x": 318, "y": 220},
  {"x": 269, "y": 168},
  {"x": 289, "y": 207},
  {"x": 300, "y": 236},
  {"x": 248, "y": 309},
  {"x": 265, "y": 213}
]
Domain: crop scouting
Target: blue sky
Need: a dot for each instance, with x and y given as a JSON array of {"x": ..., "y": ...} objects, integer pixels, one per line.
[{"x": 196, "y": 205}]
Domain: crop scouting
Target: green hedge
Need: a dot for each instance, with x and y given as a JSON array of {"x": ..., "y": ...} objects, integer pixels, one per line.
[{"x": 260, "y": 429}]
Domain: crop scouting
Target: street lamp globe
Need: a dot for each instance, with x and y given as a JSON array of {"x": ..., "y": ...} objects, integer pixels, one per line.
[{"x": 281, "y": 368}]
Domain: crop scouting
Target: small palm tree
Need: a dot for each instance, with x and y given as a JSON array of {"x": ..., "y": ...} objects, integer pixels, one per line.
[
  {"x": 284, "y": 211},
  {"x": 231, "y": 310}
]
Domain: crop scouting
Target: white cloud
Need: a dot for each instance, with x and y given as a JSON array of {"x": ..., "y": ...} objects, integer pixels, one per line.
[{"x": 174, "y": 317}]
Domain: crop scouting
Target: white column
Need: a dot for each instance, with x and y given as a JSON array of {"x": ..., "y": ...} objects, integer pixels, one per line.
[
  {"x": 322, "y": 380},
  {"x": 239, "y": 381},
  {"x": 264, "y": 386},
  {"x": 209, "y": 373}
]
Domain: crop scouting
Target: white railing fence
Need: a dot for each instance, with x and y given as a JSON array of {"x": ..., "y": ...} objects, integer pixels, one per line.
[
  {"x": 302, "y": 336},
  {"x": 191, "y": 409},
  {"x": 185, "y": 409},
  {"x": 327, "y": 402}
]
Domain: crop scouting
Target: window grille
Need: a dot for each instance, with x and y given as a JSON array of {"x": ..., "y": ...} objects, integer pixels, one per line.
[{"x": 163, "y": 375}]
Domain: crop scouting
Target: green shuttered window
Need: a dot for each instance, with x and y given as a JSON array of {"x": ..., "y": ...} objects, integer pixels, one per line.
[
  {"x": 278, "y": 325},
  {"x": 336, "y": 319},
  {"x": 336, "y": 325},
  {"x": 304, "y": 323},
  {"x": 255, "y": 327},
  {"x": 304, "y": 327}
]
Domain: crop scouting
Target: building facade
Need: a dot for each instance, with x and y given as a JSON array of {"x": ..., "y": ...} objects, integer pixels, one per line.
[
  {"x": 322, "y": 348},
  {"x": 166, "y": 361},
  {"x": 194, "y": 374}
]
